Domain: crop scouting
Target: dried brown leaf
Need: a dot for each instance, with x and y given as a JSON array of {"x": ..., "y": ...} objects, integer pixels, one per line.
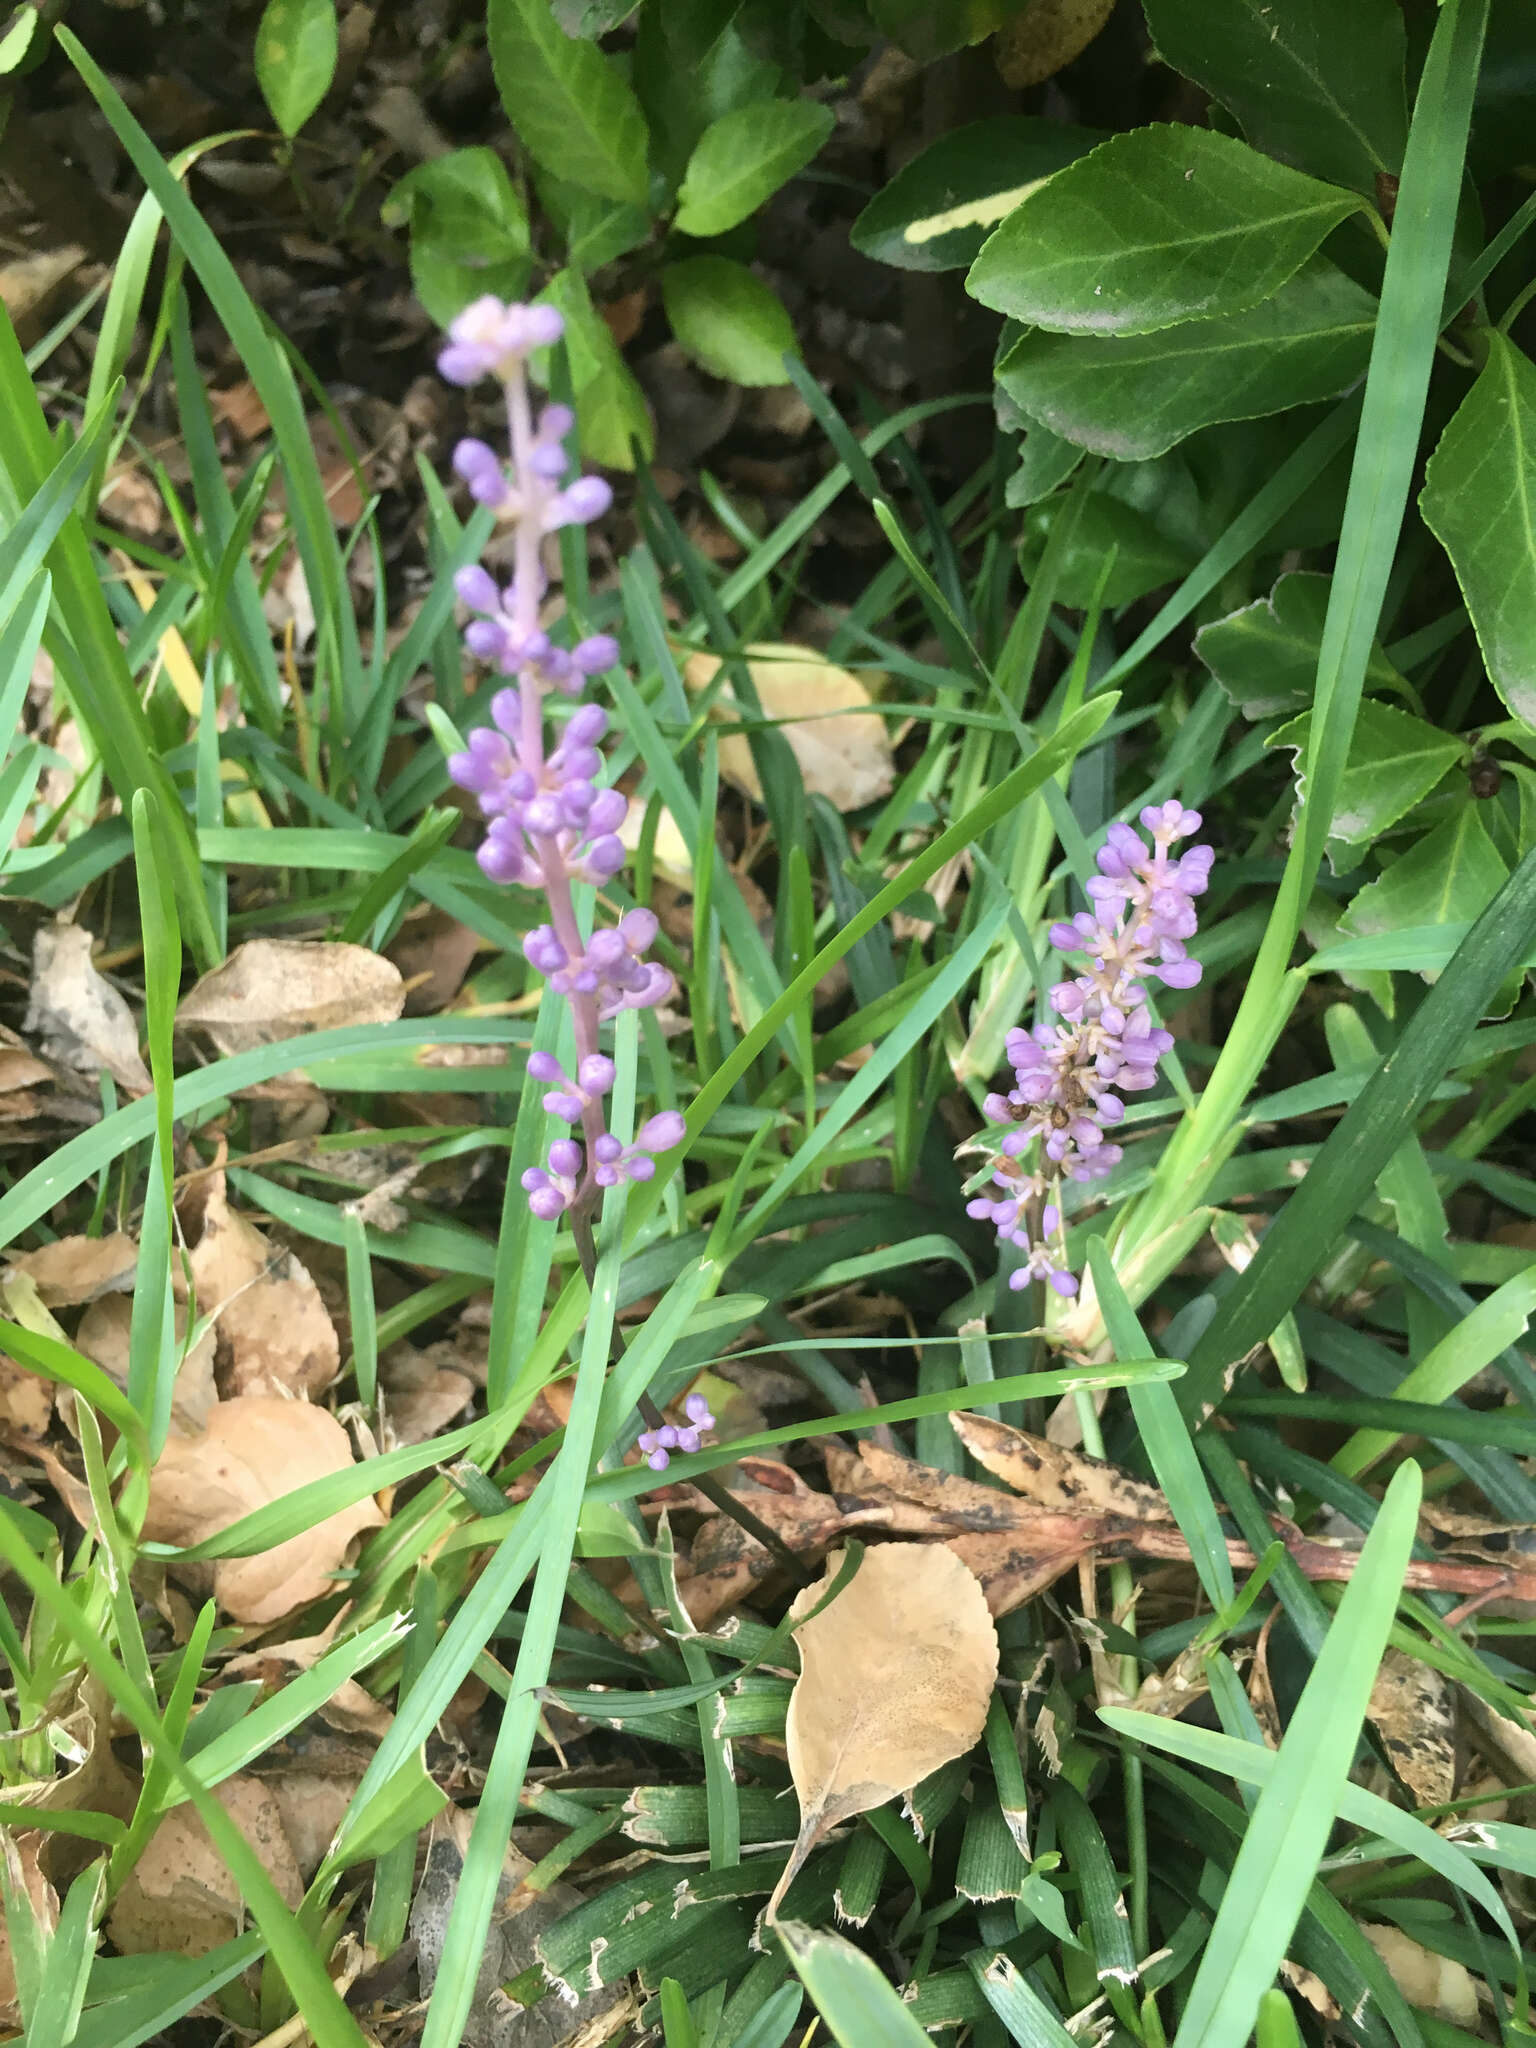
[
  {"x": 103, "y": 1336},
  {"x": 1412, "y": 1712},
  {"x": 255, "y": 1450},
  {"x": 895, "y": 1678},
  {"x": 179, "y": 1898},
  {"x": 841, "y": 744},
  {"x": 79, "y": 1017},
  {"x": 273, "y": 1331},
  {"x": 273, "y": 989},
  {"x": 77, "y": 1269}
]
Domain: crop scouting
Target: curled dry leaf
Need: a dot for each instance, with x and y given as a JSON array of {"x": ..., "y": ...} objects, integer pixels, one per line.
[
  {"x": 273, "y": 1330},
  {"x": 26, "y": 1880},
  {"x": 254, "y": 1450},
  {"x": 271, "y": 989},
  {"x": 77, "y": 1014},
  {"x": 841, "y": 744},
  {"x": 895, "y": 1678},
  {"x": 179, "y": 1898},
  {"x": 103, "y": 1336},
  {"x": 1412, "y": 1713},
  {"x": 78, "y": 1269}
]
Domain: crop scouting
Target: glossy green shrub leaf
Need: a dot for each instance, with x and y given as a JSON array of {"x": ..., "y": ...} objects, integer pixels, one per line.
[
  {"x": 573, "y": 111},
  {"x": 1135, "y": 396},
  {"x": 1265, "y": 655},
  {"x": 1448, "y": 877},
  {"x": 1145, "y": 557},
  {"x": 1479, "y": 500},
  {"x": 611, "y": 415},
  {"x": 296, "y": 44},
  {"x": 1393, "y": 761},
  {"x": 596, "y": 230},
  {"x": 1045, "y": 462},
  {"x": 1314, "y": 83},
  {"x": 1157, "y": 226},
  {"x": 744, "y": 157},
  {"x": 939, "y": 209},
  {"x": 469, "y": 230},
  {"x": 727, "y": 319}
]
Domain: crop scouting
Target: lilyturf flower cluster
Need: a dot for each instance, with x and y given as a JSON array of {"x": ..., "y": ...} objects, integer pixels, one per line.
[
  {"x": 536, "y": 769},
  {"x": 1071, "y": 1071}
]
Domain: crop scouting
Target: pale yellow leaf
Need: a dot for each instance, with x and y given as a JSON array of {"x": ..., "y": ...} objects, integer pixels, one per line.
[
  {"x": 895, "y": 1677},
  {"x": 841, "y": 744}
]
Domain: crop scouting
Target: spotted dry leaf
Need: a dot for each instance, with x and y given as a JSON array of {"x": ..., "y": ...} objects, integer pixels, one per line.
[
  {"x": 1055, "y": 1477},
  {"x": 272, "y": 989},
  {"x": 895, "y": 1677},
  {"x": 1411, "y": 1711},
  {"x": 179, "y": 1898}
]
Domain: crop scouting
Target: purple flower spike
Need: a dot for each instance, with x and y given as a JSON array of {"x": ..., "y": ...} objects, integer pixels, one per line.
[
  {"x": 1100, "y": 1032},
  {"x": 657, "y": 1445},
  {"x": 552, "y": 824}
]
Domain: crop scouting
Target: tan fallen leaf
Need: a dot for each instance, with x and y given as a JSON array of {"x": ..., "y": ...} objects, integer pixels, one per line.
[
  {"x": 103, "y": 1334},
  {"x": 93, "y": 1782},
  {"x": 256, "y": 1449},
  {"x": 272, "y": 1329},
  {"x": 895, "y": 1677},
  {"x": 842, "y": 745},
  {"x": 1411, "y": 1711},
  {"x": 78, "y": 1269},
  {"x": 1433, "y": 1983},
  {"x": 272, "y": 989},
  {"x": 79, "y": 1017},
  {"x": 179, "y": 1898}
]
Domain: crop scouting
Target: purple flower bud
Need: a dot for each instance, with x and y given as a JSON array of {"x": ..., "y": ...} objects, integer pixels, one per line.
[
  {"x": 599, "y": 651},
  {"x": 587, "y": 499},
  {"x": 663, "y": 1131},
  {"x": 543, "y": 326},
  {"x": 565, "y": 1157},
  {"x": 475, "y": 586},
  {"x": 696, "y": 1408},
  {"x": 486, "y": 639},
  {"x": 545, "y": 1201},
  {"x": 500, "y": 860},
  {"x": 472, "y": 458},
  {"x": 549, "y": 463},
  {"x": 610, "y": 807},
  {"x": 1180, "y": 973},
  {"x": 555, "y": 422},
  {"x": 638, "y": 929},
  {"x": 596, "y": 1074},
  {"x": 605, "y": 856},
  {"x": 545, "y": 1067}
]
